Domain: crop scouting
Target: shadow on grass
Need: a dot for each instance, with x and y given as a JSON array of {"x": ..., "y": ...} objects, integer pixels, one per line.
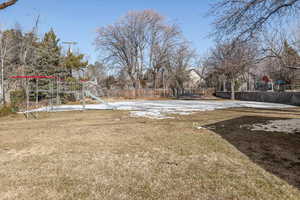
[
  {"x": 276, "y": 152},
  {"x": 267, "y": 111}
]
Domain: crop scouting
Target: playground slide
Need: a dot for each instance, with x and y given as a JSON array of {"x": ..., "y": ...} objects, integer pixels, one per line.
[{"x": 88, "y": 93}]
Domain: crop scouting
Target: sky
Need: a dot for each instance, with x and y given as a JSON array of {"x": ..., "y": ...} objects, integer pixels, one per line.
[{"x": 77, "y": 20}]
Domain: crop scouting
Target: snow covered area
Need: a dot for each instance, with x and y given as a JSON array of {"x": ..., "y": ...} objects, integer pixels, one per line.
[
  {"x": 286, "y": 126},
  {"x": 163, "y": 109}
]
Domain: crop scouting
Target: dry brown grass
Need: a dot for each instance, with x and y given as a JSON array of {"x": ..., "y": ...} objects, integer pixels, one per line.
[{"x": 108, "y": 155}]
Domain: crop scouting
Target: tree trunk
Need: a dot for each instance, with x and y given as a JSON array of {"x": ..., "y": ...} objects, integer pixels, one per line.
[
  {"x": 224, "y": 86},
  {"x": 154, "y": 80},
  {"x": 232, "y": 89},
  {"x": 70, "y": 72},
  {"x": 249, "y": 83},
  {"x": 133, "y": 81},
  {"x": 2, "y": 82}
]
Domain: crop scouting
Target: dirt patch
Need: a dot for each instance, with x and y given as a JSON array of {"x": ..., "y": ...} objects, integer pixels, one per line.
[{"x": 276, "y": 151}]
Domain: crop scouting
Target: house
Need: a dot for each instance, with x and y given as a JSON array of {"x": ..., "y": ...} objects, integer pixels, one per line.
[
  {"x": 296, "y": 80},
  {"x": 196, "y": 80}
]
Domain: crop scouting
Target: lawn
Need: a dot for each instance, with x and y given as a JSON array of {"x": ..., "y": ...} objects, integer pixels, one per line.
[{"x": 109, "y": 155}]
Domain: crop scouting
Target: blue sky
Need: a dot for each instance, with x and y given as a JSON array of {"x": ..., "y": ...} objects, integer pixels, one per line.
[{"x": 77, "y": 20}]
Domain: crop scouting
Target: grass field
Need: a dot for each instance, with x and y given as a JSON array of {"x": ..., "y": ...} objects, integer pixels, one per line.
[{"x": 109, "y": 155}]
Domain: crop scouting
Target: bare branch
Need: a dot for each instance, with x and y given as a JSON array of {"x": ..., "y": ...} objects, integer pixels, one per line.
[
  {"x": 245, "y": 19},
  {"x": 7, "y": 4}
]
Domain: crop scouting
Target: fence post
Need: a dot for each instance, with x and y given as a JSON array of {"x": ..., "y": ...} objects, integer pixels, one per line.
[
  {"x": 83, "y": 96},
  {"x": 27, "y": 99},
  {"x": 37, "y": 94},
  {"x": 57, "y": 92},
  {"x": 51, "y": 90}
]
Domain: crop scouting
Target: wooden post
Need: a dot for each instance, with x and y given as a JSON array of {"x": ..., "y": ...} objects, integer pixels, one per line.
[
  {"x": 37, "y": 92},
  {"x": 37, "y": 95},
  {"x": 51, "y": 96},
  {"x": 27, "y": 99},
  {"x": 57, "y": 92},
  {"x": 83, "y": 95}
]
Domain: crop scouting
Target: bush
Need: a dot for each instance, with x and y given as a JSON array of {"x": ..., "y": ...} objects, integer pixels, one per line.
[
  {"x": 17, "y": 98},
  {"x": 6, "y": 110},
  {"x": 65, "y": 98}
]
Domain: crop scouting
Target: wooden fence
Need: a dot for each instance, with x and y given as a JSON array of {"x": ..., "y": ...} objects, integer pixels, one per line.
[{"x": 156, "y": 93}]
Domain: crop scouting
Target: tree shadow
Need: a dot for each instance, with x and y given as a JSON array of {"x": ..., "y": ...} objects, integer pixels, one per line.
[
  {"x": 267, "y": 111},
  {"x": 276, "y": 152}
]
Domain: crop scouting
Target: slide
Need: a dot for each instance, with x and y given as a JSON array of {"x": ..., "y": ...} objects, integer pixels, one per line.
[{"x": 88, "y": 93}]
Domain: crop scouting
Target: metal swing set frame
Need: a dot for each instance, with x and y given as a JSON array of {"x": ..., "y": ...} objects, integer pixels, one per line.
[{"x": 59, "y": 90}]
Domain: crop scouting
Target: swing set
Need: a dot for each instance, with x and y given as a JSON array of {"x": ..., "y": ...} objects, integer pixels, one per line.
[{"x": 55, "y": 89}]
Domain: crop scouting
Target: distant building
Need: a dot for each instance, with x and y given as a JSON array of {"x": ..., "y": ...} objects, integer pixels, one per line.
[
  {"x": 196, "y": 79},
  {"x": 296, "y": 80}
]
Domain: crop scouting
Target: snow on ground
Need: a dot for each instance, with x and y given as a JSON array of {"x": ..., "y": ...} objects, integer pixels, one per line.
[
  {"x": 162, "y": 109},
  {"x": 287, "y": 126}
]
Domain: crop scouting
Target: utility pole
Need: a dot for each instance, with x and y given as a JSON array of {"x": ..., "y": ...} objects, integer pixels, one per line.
[{"x": 70, "y": 44}]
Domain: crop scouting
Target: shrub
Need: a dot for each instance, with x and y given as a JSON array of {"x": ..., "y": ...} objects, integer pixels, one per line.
[
  {"x": 65, "y": 98},
  {"x": 17, "y": 98},
  {"x": 6, "y": 110}
]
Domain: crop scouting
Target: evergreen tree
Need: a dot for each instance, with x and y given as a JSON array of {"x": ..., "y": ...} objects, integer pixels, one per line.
[
  {"x": 48, "y": 59},
  {"x": 49, "y": 55},
  {"x": 74, "y": 62}
]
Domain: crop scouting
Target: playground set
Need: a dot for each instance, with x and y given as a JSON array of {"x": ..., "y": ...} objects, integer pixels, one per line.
[{"x": 49, "y": 91}]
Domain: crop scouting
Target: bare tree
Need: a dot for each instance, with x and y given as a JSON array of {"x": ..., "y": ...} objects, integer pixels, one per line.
[
  {"x": 230, "y": 60},
  {"x": 179, "y": 62},
  {"x": 137, "y": 42},
  {"x": 296, "y": 37},
  {"x": 8, "y": 47},
  {"x": 245, "y": 19},
  {"x": 280, "y": 57},
  {"x": 7, "y": 4},
  {"x": 96, "y": 72},
  {"x": 166, "y": 38},
  {"x": 201, "y": 68}
]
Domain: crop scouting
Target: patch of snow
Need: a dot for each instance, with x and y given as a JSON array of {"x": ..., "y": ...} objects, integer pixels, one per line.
[
  {"x": 161, "y": 109},
  {"x": 149, "y": 114},
  {"x": 285, "y": 126}
]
